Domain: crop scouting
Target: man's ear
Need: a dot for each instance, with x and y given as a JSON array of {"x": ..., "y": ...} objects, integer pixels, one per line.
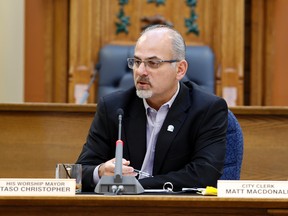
[{"x": 182, "y": 68}]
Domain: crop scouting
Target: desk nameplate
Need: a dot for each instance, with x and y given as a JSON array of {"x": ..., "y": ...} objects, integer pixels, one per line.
[
  {"x": 37, "y": 187},
  {"x": 252, "y": 189}
]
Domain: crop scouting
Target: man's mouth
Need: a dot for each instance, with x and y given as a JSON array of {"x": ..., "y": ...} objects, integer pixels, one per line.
[{"x": 142, "y": 82}]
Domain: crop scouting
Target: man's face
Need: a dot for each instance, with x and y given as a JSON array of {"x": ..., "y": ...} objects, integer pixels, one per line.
[{"x": 155, "y": 84}]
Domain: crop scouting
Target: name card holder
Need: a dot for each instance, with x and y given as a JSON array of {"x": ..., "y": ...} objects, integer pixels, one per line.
[
  {"x": 37, "y": 187},
  {"x": 252, "y": 189}
]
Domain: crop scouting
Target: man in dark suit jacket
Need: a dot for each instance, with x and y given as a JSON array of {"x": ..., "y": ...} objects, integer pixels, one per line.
[{"x": 174, "y": 131}]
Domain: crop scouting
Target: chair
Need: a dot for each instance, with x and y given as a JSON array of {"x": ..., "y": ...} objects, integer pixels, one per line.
[
  {"x": 200, "y": 67},
  {"x": 114, "y": 73},
  {"x": 234, "y": 149}
]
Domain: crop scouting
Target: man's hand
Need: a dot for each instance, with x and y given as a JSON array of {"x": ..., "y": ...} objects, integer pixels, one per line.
[{"x": 108, "y": 168}]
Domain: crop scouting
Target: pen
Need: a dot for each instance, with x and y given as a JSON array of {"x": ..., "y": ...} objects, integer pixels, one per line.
[{"x": 140, "y": 172}]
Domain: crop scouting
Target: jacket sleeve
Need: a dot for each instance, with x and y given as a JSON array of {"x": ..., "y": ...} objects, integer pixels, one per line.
[{"x": 97, "y": 148}]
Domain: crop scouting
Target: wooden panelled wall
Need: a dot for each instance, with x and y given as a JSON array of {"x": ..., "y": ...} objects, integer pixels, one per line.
[
  {"x": 75, "y": 30},
  {"x": 46, "y": 50},
  {"x": 92, "y": 25}
]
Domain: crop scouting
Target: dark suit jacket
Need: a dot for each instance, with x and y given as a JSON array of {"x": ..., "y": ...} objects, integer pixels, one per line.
[{"x": 190, "y": 156}]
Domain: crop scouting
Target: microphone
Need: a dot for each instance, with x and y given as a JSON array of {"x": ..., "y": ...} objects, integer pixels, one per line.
[
  {"x": 86, "y": 92},
  {"x": 119, "y": 184},
  {"x": 119, "y": 149}
]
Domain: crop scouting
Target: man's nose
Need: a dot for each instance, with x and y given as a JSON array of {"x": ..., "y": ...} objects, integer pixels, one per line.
[{"x": 142, "y": 68}]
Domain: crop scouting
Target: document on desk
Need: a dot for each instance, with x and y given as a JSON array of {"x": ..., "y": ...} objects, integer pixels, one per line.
[
  {"x": 167, "y": 188},
  {"x": 157, "y": 191},
  {"x": 208, "y": 191}
]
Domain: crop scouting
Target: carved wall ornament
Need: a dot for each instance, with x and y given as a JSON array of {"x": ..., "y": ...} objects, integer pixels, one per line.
[
  {"x": 190, "y": 23},
  {"x": 157, "y": 2},
  {"x": 124, "y": 21},
  {"x": 153, "y": 20}
]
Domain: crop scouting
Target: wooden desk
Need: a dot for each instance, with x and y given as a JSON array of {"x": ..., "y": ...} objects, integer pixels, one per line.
[
  {"x": 141, "y": 205},
  {"x": 34, "y": 137},
  {"x": 265, "y": 131}
]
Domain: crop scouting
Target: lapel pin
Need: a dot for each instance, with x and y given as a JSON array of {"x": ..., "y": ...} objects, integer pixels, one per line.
[{"x": 170, "y": 128}]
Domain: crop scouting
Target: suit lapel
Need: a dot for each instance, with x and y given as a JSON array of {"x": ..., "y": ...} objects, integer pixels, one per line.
[
  {"x": 171, "y": 126},
  {"x": 134, "y": 125}
]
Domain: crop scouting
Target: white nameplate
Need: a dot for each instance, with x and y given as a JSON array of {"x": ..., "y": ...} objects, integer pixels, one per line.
[
  {"x": 252, "y": 189},
  {"x": 37, "y": 187}
]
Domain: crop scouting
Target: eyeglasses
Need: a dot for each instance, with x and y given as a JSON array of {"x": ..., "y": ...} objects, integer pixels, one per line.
[{"x": 152, "y": 63}]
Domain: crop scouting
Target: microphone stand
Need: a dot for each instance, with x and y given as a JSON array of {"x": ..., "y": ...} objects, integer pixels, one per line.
[
  {"x": 86, "y": 92},
  {"x": 119, "y": 184}
]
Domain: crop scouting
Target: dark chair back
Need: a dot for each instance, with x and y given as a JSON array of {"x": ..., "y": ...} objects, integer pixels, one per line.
[
  {"x": 114, "y": 73},
  {"x": 234, "y": 149}
]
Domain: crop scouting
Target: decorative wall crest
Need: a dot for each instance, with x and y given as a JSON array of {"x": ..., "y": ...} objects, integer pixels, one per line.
[
  {"x": 190, "y": 23},
  {"x": 124, "y": 21},
  {"x": 157, "y": 2},
  {"x": 153, "y": 20}
]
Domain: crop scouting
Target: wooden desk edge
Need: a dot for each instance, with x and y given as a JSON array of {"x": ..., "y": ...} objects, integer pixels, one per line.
[
  {"x": 144, "y": 200},
  {"x": 69, "y": 107},
  {"x": 48, "y": 107}
]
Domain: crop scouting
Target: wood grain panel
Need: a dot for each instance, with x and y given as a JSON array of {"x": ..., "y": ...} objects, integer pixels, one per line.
[
  {"x": 59, "y": 84},
  {"x": 268, "y": 48},
  {"x": 173, "y": 11},
  {"x": 56, "y": 51},
  {"x": 33, "y": 141},
  {"x": 141, "y": 205},
  {"x": 92, "y": 25},
  {"x": 257, "y": 53},
  {"x": 267, "y": 144},
  {"x": 83, "y": 45},
  {"x": 280, "y": 75},
  {"x": 49, "y": 66},
  {"x": 46, "y": 51},
  {"x": 34, "y": 137},
  {"x": 230, "y": 51},
  {"x": 35, "y": 88}
]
